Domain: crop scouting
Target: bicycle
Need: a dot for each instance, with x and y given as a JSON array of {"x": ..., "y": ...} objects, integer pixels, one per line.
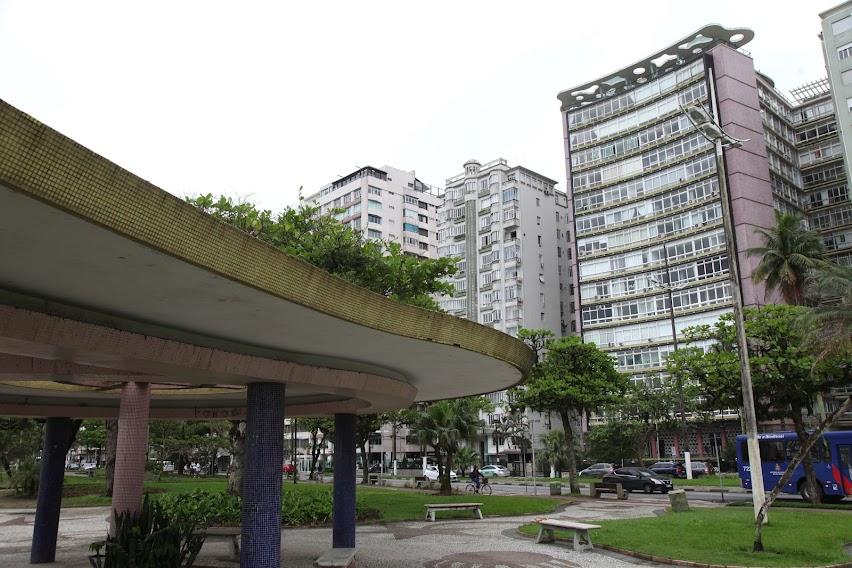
[{"x": 484, "y": 488}]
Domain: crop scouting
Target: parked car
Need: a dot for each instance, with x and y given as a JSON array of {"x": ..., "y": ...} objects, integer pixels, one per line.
[
  {"x": 73, "y": 465},
  {"x": 669, "y": 468},
  {"x": 431, "y": 473},
  {"x": 597, "y": 470},
  {"x": 639, "y": 479},
  {"x": 701, "y": 468},
  {"x": 288, "y": 468},
  {"x": 89, "y": 466},
  {"x": 494, "y": 471},
  {"x": 168, "y": 466}
]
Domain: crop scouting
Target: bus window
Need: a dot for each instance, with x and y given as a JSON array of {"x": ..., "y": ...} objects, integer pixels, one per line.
[
  {"x": 819, "y": 451},
  {"x": 845, "y": 453},
  {"x": 744, "y": 450},
  {"x": 772, "y": 450}
]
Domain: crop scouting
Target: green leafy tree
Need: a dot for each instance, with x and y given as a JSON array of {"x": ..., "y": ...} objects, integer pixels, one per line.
[
  {"x": 397, "y": 420},
  {"x": 617, "y": 440},
  {"x": 321, "y": 430},
  {"x": 20, "y": 440},
  {"x": 786, "y": 373},
  {"x": 572, "y": 380},
  {"x": 790, "y": 253},
  {"x": 502, "y": 430},
  {"x": 92, "y": 436},
  {"x": 366, "y": 426},
  {"x": 444, "y": 425}
]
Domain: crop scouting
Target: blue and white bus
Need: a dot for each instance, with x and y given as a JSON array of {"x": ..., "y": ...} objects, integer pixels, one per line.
[{"x": 831, "y": 457}]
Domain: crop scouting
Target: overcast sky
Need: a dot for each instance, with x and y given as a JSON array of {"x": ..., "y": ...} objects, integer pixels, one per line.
[{"x": 257, "y": 99}]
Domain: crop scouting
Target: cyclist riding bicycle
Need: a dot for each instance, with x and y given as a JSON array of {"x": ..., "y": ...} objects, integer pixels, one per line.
[{"x": 476, "y": 478}]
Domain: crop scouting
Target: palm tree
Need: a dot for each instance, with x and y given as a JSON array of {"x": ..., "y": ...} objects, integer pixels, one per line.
[
  {"x": 465, "y": 458},
  {"x": 790, "y": 253},
  {"x": 503, "y": 429},
  {"x": 830, "y": 320},
  {"x": 443, "y": 425},
  {"x": 555, "y": 450}
]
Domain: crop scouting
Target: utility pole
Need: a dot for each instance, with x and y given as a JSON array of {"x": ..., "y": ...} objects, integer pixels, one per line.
[{"x": 714, "y": 133}]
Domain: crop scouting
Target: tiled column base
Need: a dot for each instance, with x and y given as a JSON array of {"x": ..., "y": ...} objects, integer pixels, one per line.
[
  {"x": 264, "y": 455},
  {"x": 46, "y": 526},
  {"x": 343, "y": 535},
  {"x": 131, "y": 448}
]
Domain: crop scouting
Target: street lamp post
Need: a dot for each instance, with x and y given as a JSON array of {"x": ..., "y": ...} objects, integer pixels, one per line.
[{"x": 708, "y": 127}]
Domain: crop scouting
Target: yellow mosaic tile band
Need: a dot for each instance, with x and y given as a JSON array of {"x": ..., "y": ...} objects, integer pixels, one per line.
[{"x": 41, "y": 162}]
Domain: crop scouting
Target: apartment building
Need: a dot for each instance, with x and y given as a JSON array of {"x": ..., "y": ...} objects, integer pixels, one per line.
[
  {"x": 508, "y": 227},
  {"x": 836, "y": 36},
  {"x": 385, "y": 204}
]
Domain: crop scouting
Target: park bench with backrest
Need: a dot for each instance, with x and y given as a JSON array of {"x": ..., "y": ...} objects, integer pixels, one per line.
[
  {"x": 420, "y": 480},
  {"x": 582, "y": 540},
  {"x": 432, "y": 508},
  {"x": 595, "y": 490}
]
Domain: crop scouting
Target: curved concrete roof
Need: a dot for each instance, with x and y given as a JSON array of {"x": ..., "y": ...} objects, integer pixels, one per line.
[{"x": 104, "y": 276}]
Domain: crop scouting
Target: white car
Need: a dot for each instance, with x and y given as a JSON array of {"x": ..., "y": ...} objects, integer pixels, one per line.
[
  {"x": 494, "y": 471},
  {"x": 89, "y": 466},
  {"x": 431, "y": 473}
]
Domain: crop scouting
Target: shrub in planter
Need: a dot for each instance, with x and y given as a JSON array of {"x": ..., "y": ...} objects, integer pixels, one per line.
[
  {"x": 147, "y": 539},
  {"x": 302, "y": 507}
]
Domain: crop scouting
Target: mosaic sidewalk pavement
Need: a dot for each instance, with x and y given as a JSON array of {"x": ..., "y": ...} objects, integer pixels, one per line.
[{"x": 488, "y": 543}]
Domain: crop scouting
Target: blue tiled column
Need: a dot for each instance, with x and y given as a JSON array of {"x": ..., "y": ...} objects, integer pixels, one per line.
[
  {"x": 344, "y": 481},
  {"x": 264, "y": 455},
  {"x": 46, "y": 526}
]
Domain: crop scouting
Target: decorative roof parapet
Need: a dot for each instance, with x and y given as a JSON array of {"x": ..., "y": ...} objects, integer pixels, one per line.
[{"x": 661, "y": 62}]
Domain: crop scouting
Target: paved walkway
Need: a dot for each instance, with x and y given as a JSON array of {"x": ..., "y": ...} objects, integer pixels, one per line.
[{"x": 487, "y": 543}]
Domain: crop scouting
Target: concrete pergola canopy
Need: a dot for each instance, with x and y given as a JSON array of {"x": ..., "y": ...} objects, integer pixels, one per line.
[{"x": 105, "y": 278}]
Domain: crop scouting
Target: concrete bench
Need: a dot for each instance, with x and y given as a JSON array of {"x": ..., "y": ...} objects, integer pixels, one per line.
[
  {"x": 337, "y": 558},
  {"x": 582, "y": 540},
  {"x": 431, "y": 509},
  {"x": 421, "y": 480},
  {"x": 595, "y": 490},
  {"x": 230, "y": 534}
]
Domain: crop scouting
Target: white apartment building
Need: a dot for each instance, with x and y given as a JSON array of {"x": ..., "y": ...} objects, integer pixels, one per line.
[
  {"x": 385, "y": 204},
  {"x": 508, "y": 228}
]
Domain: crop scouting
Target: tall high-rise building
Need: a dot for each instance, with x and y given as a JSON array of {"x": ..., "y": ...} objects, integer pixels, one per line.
[
  {"x": 652, "y": 257},
  {"x": 385, "y": 204},
  {"x": 651, "y": 254},
  {"x": 837, "y": 50},
  {"x": 508, "y": 228}
]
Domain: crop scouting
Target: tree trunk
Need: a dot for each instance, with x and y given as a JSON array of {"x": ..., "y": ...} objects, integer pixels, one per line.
[
  {"x": 238, "y": 445},
  {"x": 111, "y": 444},
  {"x": 810, "y": 474},
  {"x": 365, "y": 464},
  {"x": 572, "y": 454},
  {"x": 804, "y": 448},
  {"x": 446, "y": 486}
]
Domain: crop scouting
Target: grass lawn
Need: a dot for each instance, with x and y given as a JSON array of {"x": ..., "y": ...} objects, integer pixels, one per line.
[
  {"x": 396, "y": 505},
  {"x": 724, "y": 536},
  {"x": 845, "y": 505},
  {"x": 393, "y": 504}
]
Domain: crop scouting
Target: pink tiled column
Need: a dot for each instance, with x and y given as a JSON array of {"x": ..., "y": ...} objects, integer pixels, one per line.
[{"x": 132, "y": 448}]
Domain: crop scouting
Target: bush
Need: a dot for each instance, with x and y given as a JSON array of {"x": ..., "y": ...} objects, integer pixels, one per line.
[
  {"x": 306, "y": 506},
  {"x": 25, "y": 479},
  {"x": 151, "y": 537}
]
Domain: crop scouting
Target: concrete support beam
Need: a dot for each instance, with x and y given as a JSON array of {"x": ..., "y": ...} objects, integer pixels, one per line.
[
  {"x": 131, "y": 449},
  {"x": 57, "y": 432},
  {"x": 343, "y": 535},
  {"x": 264, "y": 456}
]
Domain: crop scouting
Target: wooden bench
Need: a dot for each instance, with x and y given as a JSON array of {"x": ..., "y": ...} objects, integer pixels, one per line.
[
  {"x": 595, "y": 490},
  {"x": 337, "y": 558},
  {"x": 431, "y": 509},
  {"x": 582, "y": 540},
  {"x": 231, "y": 534}
]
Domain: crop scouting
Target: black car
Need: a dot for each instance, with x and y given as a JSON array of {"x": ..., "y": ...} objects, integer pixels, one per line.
[
  {"x": 639, "y": 479},
  {"x": 669, "y": 468}
]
